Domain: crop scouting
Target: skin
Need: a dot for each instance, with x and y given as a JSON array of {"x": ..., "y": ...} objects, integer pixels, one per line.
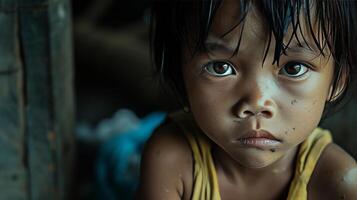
[{"x": 252, "y": 95}]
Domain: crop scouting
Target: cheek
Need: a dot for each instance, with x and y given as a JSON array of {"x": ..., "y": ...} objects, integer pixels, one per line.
[
  {"x": 206, "y": 95},
  {"x": 208, "y": 106},
  {"x": 308, "y": 97},
  {"x": 302, "y": 112},
  {"x": 209, "y": 103},
  {"x": 302, "y": 108}
]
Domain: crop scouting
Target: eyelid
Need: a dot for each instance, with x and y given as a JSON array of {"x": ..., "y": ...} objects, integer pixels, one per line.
[
  {"x": 204, "y": 67},
  {"x": 308, "y": 67}
]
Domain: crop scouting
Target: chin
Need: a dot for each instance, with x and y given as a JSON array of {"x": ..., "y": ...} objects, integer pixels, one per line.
[
  {"x": 254, "y": 164},
  {"x": 257, "y": 160}
]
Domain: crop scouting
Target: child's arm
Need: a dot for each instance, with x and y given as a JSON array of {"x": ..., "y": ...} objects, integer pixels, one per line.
[
  {"x": 166, "y": 163},
  {"x": 335, "y": 176}
]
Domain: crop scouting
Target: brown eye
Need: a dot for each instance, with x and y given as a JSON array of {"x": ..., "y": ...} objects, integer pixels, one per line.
[
  {"x": 219, "y": 68},
  {"x": 294, "y": 69}
]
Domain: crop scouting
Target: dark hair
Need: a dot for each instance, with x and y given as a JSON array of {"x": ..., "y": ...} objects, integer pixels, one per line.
[{"x": 175, "y": 23}]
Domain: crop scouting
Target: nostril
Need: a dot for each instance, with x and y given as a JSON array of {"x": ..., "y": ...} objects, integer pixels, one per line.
[
  {"x": 266, "y": 114},
  {"x": 248, "y": 113},
  {"x": 245, "y": 114}
]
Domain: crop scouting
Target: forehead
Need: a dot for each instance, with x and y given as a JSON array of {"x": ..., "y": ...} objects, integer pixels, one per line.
[{"x": 231, "y": 21}]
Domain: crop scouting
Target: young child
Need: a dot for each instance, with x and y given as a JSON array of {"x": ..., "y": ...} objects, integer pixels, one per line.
[{"x": 254, "y": 77}]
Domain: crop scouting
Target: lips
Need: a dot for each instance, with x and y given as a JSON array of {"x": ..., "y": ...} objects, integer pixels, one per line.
[
  {"x": 258, "y": 134},
  {"x": 260, "y": 139}
]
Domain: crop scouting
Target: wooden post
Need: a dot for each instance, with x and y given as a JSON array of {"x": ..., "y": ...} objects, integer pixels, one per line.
[{"x": 36, "y": 99}]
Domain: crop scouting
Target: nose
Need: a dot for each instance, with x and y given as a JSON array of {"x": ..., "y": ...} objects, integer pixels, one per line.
[
  {"x": 257, "y": 101},
  {"x": 248, "y": 110}
]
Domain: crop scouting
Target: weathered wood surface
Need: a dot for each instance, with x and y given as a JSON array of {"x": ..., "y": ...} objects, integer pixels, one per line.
[
  {"x": 36, "y": 99},
  {"x": 13, "y": 173}
]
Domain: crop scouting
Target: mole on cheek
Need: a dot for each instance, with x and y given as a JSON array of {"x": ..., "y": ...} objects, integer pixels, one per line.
[{"x": 293, "y": 102}]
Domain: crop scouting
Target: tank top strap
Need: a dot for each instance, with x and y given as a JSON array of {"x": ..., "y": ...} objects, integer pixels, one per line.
[
  {"x": 308, "y": 155},
  {"x": 205, "y": 183}
]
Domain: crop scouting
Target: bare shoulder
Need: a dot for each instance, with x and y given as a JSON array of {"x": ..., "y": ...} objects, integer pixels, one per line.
[
  {"x": 335, "y": 175},
  {"x": 166, "y": 165}
]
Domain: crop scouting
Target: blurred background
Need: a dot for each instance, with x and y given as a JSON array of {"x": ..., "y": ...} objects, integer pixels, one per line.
[
  {"x": 112, "y": 61},
  {"x": 112, "y": 72},
  {"x": 115, "y": 92}
]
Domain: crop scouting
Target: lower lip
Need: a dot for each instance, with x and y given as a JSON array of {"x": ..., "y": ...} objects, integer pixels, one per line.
[{"x": 258, "y": 142}]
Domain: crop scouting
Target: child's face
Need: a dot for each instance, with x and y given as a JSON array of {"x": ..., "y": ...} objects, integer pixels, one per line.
[{"x": 230, "y": 96}]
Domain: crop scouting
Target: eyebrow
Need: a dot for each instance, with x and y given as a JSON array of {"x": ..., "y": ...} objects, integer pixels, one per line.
[
  {"x": 213, "y": 46},
  {"x": 304, "y": 47}
]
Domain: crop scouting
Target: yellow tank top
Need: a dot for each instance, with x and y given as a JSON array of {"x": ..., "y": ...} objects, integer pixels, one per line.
[{"x": 205, "y": 182}]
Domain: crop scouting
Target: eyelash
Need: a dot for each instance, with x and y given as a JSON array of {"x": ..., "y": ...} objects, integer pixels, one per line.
[
  {"x": 295, "y": 63},
  {"x": 206, "y": 68}
]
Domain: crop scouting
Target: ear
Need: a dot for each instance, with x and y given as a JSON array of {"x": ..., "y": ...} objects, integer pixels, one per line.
[{"x": 342, "y": 81}]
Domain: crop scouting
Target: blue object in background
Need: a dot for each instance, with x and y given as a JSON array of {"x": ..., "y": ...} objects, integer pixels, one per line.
[{"x": 118, "y": 164}]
